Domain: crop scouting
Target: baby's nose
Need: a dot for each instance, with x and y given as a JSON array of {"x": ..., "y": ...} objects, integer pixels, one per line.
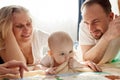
[
  {"x": 71, "y": 55},
  {"x": 67, "y": 57}
]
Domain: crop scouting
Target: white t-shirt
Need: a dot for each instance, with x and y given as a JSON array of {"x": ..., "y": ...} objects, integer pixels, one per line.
[
  {"x": 47, "y": 61},
  {"x": 39, "y": 45},
  {"x": 86, "y": 39}
]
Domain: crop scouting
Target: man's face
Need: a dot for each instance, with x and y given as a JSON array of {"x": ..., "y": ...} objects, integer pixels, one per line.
[{"x": 96, "y": 20}]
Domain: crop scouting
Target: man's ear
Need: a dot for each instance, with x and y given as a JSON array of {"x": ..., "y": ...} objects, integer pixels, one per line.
[{"x": 111, "y": 16}]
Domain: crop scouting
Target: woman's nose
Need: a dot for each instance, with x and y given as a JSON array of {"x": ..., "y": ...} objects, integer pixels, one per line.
[{"x": 26, "y": 28}]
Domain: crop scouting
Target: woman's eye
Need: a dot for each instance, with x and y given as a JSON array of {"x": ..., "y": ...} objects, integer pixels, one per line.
[
  {"x": 19, "y": 26},
  {"x": 28, "y": 24}
]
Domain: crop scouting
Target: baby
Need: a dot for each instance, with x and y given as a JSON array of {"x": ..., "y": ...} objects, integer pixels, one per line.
[{"x": 61, "y": 51}]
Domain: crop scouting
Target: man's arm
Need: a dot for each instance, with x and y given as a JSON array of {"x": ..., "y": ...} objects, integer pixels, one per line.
[{"x": 95, "y": 52}]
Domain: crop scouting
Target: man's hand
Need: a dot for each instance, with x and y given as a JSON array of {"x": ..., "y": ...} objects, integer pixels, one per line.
[
  {"x": 113, "y": 29},
  {"x": 75, "y": 64},
  {"x": 92, "y": 65}
]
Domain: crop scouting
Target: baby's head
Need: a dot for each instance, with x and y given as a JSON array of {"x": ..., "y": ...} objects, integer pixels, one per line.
[{"x": 61, "y": 46}]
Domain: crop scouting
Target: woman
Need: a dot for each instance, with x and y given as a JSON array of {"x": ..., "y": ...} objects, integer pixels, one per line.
[{"x": 18, "y": 39}]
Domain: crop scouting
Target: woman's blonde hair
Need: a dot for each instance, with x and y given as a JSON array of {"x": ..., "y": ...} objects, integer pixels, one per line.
[{"x": 6, "y": 24}]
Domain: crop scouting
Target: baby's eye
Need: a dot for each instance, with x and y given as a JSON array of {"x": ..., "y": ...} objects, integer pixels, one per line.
[
  {"x": 71, "y": 51},
  {"x": 62, "y": 54}
]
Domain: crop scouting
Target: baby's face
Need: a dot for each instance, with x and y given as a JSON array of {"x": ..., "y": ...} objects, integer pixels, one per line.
[{"x": 63, "y": 52}]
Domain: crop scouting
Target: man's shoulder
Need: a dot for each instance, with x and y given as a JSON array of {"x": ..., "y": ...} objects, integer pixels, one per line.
[{"x": 85, "y": 37}]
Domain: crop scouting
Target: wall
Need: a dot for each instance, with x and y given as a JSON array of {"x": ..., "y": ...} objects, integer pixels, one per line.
[
  {"x": 51, "y": 15},
  {"x": 115, "y": 8}
]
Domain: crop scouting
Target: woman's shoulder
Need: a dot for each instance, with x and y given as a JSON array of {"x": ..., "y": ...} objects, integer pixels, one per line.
[
  {"x": 40, "y": 37},
  {"x": 40, "y": 32}
]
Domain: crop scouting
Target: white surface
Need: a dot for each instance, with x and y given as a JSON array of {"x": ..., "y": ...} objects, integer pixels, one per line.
[
  {"x": 114, "y": 4},
  {"x": 51, "y": 15}
]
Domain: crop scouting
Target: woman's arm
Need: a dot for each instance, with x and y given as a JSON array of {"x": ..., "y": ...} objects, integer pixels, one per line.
[{"x": 12, "y": 49}]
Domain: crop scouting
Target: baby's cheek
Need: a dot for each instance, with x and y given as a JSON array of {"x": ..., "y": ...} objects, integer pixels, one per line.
[
  {"x": 59, "y": 60},
  {"x": 62, "y": 60},
  {"x": 71, "y": 55}
]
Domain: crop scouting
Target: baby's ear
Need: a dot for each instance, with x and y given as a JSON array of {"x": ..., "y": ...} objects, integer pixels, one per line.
[{"x": 49, "y": 52}]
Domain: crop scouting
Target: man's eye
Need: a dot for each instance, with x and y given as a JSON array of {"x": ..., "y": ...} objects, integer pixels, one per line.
[{"x": 95, "y": 22}]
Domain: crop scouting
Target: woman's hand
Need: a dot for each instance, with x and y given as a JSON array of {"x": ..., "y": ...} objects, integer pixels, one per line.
[{"x": 13, "y": 67}]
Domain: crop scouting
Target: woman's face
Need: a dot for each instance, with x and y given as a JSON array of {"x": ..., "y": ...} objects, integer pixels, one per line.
[{"x": 22, "y": 27}]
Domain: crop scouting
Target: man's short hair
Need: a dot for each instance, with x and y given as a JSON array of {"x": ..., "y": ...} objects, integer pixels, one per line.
[{"x": 105, "y": 4}]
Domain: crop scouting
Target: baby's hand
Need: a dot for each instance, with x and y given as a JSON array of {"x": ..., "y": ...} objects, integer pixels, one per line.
[
  {"x": 36, "y": 67},
  {"x": 74, "y": 63},
  {"x": 92, "y": 65},
  {"x": 51, "y": 70}
]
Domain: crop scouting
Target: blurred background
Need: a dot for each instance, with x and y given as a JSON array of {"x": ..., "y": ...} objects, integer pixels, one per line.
[
  {"x": 56, "y": 15},
  {"x": 51, "y": 15}
]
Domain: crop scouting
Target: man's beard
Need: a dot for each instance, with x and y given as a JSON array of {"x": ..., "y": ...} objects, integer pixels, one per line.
[{"x": 97, "y": 36}]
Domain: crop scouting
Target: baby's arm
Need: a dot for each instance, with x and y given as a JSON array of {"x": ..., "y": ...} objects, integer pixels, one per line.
[
  {"x": 47, "y": 70},
  {"x": 45, "y": 65}
]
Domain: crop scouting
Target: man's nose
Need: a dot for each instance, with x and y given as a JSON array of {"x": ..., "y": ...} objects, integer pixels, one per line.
[{"x": 90, "y": 27}]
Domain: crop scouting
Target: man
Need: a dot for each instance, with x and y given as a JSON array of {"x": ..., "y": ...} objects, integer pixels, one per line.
[
  {"x": 99, "y": 31},
  {"x": 119, "y": 5},
  {"x": 8, "y": 68}
]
